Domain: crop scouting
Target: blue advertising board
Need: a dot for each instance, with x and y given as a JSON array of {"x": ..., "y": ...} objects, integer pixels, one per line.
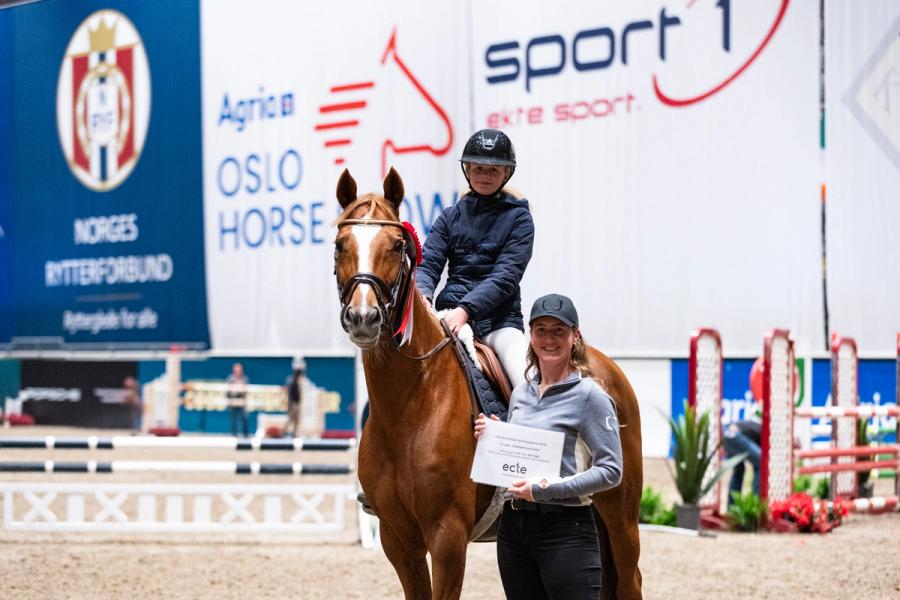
[
  {"x": 877, "y": 385},
  {"x": 106, "y": 177},
  {"x": 737, "y": 399},
  {"x": 6, "y": 86}
]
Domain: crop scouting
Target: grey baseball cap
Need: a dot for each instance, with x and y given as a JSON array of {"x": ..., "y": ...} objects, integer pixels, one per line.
[{"x": 555, "y": 305}]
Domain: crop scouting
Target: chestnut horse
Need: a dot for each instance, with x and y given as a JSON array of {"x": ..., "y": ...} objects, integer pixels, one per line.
[{"x": 416, "y": 450}]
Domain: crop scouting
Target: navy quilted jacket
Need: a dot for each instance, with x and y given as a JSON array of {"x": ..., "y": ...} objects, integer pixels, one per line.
[{"x": 487, "y": 244}]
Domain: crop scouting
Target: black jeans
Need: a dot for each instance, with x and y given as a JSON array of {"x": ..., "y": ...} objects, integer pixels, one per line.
[{"x": 549, "y": 555}]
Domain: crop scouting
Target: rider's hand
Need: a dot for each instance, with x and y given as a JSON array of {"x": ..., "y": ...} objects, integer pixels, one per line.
[
  {"x": 456, "y": 318},
  {"x": 481, "y": 422}
]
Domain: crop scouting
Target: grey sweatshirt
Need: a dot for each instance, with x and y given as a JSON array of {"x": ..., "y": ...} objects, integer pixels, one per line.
[{"x": 592, "y": 452}]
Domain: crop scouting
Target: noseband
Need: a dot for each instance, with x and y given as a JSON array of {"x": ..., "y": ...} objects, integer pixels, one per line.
[{"x": 389, "y": 297}]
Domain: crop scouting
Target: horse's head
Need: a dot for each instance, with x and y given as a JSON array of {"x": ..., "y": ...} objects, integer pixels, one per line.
[{"x": 374, "y": 258}]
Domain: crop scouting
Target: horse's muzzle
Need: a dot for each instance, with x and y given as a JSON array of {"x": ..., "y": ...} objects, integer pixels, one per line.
[{"x": 364, "y": 328}]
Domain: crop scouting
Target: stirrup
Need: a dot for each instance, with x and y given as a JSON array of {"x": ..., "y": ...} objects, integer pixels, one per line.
[{"x": 364, "y": 501}]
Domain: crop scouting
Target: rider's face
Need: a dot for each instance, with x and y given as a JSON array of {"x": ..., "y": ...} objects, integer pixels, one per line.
[{"x": 486, "y": 179}]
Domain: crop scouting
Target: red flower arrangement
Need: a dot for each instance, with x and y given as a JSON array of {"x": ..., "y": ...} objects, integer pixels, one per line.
[{"x": 799, "y": 513}]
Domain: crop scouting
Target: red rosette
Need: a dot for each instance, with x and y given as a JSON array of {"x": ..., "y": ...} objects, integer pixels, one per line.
[{"x": 415, "y": 236}]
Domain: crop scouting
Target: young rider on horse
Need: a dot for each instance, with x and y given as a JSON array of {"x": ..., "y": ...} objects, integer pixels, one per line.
[{"x": 487, "y": 239}]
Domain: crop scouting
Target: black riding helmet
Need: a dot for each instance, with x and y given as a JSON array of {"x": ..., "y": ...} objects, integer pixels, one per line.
[{"x": 489, "y": 147}]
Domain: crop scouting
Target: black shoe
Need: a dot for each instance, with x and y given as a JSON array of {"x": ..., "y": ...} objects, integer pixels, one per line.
[{"x": 367, "y": 508}]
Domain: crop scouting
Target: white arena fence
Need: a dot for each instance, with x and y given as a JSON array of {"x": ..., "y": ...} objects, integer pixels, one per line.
[
  {"x": 149, "y": 507},
  {"x": 177, "y": 507}
]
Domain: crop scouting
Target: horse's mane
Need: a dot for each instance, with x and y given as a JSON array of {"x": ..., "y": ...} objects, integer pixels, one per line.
[{"x": 376, "y": 201}]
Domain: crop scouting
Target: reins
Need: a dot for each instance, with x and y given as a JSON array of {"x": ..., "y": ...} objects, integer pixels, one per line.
[{"x": 444, "y": 341}]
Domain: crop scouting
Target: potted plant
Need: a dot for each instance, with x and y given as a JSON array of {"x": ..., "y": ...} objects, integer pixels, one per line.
[
  {"x": 692, "y": 455},
  {"x": 747, "y": 512},
  {"x": 653, "y": 509}
]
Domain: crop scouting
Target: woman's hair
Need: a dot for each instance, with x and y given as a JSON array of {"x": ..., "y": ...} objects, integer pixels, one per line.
[{"x": 578, "y": 360}]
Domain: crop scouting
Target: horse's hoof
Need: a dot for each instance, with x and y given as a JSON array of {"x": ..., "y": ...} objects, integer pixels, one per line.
[{"x": 367, "y": 508}]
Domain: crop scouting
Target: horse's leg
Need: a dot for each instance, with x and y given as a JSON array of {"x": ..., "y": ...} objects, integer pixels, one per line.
[
  {"x": 407, "y": 555},
  {"x": 447, "y": 541},
  {"x": 625, "y": 541}
]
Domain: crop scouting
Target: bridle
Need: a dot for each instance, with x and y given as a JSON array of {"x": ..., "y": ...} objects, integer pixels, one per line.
[{"x": 392, "y": 299}]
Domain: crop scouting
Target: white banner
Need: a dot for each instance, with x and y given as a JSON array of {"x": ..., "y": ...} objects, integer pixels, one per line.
[
  {"x": 670, "y": 152},
  {"x": 292, "y": 94},
  {"x": 669, "y": 149},
  {"x": 862, "y": 63}
]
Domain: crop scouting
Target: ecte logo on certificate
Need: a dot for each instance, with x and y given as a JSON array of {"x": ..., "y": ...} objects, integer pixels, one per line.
[{"x": 507, "y": 453}]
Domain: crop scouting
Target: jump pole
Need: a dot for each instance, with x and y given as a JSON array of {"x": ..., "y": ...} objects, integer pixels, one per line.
[
  {"x": 175, "y": 466},
  {"x": 225, "y": 443}
]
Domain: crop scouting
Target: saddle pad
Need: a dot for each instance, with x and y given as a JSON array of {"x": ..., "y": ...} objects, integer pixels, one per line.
[{"x": 489, "y": 398}]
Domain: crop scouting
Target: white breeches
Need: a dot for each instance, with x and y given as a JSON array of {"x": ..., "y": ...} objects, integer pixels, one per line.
[{"x": 511, "y": 347}]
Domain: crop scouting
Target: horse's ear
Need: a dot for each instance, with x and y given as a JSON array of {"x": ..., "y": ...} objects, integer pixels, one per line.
[
  {"x": 393, "y": 188},
  {"x": 346, "y": 189}
]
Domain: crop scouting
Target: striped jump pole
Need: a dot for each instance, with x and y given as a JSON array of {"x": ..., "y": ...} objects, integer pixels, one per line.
[
  {"x": 180, "y": 466},
  {"x": 849, "y": 467},
  {"x": 878, "y": 505},
  {"x": 226, "y": 443},
  {"x": 855, "y": 451},
  {"x": 863, "y": 411}
]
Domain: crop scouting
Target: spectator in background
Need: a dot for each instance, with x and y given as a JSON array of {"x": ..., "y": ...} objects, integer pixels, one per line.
[
  {"x": 237, "y": 398},
  {"x": 294, "y": 387},
  {"x": 132, "y": 399},
  {"x": 743, "y": 436}
]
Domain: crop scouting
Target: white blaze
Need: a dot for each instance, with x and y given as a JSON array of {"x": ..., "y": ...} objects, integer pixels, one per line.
[{"x": 365, "y": 237}]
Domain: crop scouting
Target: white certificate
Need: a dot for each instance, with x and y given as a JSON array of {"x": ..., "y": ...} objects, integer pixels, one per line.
[{"x": 508, "y": 453}]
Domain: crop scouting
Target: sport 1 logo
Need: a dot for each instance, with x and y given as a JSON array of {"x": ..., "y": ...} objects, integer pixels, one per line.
[{"x": 103, "y": 100}]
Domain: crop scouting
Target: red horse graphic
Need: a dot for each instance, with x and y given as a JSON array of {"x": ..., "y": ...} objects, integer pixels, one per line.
[{"x": 340, "y": 116}]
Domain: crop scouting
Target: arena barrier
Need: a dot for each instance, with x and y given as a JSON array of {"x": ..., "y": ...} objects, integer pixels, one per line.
[
  {"x": 778, "y": 455},
  {"x": 174, "y": 466},
  {"x": 705, "y": 394},
  {"x": 226, "y": 443},
  {"x": 175, "y": 507},
  {"x": 143, "y": 507}
]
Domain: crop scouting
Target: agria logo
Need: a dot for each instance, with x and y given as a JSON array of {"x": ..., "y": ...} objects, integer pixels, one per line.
[{"x": 103, "y": 100}]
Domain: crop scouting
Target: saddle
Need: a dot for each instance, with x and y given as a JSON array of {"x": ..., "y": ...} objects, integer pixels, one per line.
[{"x": 489, "y": 387}]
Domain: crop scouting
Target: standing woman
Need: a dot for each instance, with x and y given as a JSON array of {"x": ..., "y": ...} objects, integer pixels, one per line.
[
  {"x": 486, "y": 239},
  {"x": 547, "y": 544}
]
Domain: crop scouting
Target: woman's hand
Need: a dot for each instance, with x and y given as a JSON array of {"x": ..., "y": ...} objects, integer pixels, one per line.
[
  {"x": 521, "y": 489},
  {"x": 456, "y": 318},
  {"x": 481, "y": 422}
]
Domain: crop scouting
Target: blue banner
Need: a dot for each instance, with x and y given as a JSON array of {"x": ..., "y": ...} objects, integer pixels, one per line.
[
  {"x": 877, "y": 385},
  {"x": 737, "y": 400},
  {"x": 6, "y": 87},
  {"x": 107, "y": 211}
]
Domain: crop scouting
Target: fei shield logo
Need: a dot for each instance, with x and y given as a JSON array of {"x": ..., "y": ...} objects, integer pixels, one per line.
[{"x": 103, "y": 100}]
